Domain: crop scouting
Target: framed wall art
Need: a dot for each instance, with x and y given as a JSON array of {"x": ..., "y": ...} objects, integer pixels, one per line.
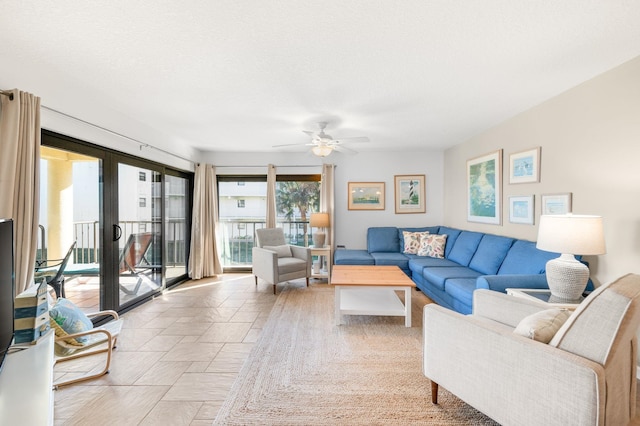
[
  {"x": 521, "y": 209},
  {"x": 524, "y": 167},
  {"x": 410, "y": 194},
  {"x": 366, "y": 195},
  {"x": 556, "y": 203},
  {"x": 484, "y": 188}
]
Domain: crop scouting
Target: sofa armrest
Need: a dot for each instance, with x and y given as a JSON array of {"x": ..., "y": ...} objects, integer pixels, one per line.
[
  {"x": 503, "y": 282},
  {"x": 512, "y": 379},
  {"x": 265, "y": 264},
  {"x": 502, "y": 308}
]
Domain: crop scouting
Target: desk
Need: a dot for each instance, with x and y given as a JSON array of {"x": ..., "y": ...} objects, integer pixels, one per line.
[
  {"x": 325, "y": 268},
  {"x": 26, "y": 384}
]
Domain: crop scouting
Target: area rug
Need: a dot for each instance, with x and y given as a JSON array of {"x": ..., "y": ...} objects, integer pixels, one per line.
[{"x": 305, "y": 370}]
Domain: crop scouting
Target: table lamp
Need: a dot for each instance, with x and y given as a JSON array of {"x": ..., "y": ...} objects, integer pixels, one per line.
[
  {"x": 569, "y": 235},
  {"x": 319, "y": 220}
]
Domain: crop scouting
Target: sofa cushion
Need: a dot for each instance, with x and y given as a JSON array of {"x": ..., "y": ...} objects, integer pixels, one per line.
[
  {"x": 411, "y": 241},
  {"x": 383, "y": 238},
  {"x": 429, "y": 229},
  {"x": 438, "y": 276},
  {"x": 465, "y": 247},
  {"x": 418, "y": 263},
  {"x": 452, "y": 236},
  {"x": 524, "y": 258},
  {"x": 352, "y": 257},
  {"x": 397, "y": 259},
  {"x": 490, "y": 254},
  {"x": 461, "y": 289},
  {"x": 433, "y": 245}
]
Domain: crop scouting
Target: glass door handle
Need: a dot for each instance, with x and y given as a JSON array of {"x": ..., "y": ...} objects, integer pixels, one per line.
[{"x": 117, "y": 232}]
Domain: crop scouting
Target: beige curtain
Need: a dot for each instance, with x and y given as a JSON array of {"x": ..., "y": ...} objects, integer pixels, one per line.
[
  {"x": 327, "y": 200},
  {"x": 203, "y": 255},
  {"x": 271, "y": 196},
  {"x": 19, "y": 178}
]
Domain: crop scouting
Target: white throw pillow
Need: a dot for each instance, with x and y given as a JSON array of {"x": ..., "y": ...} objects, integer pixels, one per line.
[
  {"x": 281, "y": 251},
  {"x": 543, "y": 325}
]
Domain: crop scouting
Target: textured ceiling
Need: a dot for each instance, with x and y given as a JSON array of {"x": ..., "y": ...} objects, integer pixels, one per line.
[{"x": 243, "y": 75}]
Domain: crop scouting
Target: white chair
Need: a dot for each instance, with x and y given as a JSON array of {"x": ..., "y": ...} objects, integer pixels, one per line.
[
  {"x": 101, "y": 339},
  {"x": 276, "y": 261},
  {"x": 585, "y": 375}
]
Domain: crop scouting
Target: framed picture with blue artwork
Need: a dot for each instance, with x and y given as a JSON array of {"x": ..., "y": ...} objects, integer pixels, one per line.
[
  {"x": 484, "y": 188},
  {"x": 524, "y": 167},
  {"x": 521, "y": 209}
]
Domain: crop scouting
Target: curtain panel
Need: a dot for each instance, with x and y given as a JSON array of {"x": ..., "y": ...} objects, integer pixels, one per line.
[
  {"x": 271, "y": 196},
  {"x": 327, "y": 200},
  {"x": 20, "y": 178}
]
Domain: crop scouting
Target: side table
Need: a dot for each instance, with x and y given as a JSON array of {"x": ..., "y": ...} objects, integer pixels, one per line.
[
  {"x": 543, "y": 297},
  {"x": 324, "y": 257}
]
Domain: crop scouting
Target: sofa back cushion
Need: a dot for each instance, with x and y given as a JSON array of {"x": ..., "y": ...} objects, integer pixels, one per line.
[
  {"x": 452, "y": 235},
  {"x": 524, "y": 258},
  {"x": 465, "y": 247},
  {"x": 490, "y": 253},
  {"x": 383, "y": 239}
]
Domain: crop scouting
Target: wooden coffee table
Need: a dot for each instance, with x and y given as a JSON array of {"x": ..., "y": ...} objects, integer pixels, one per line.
[{"x": 371, "y": 290}]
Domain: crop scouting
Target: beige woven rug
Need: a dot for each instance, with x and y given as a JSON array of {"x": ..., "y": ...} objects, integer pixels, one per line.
[{"x": 307, "y": 371}]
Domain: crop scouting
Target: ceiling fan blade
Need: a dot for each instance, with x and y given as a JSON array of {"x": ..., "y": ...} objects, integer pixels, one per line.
[
  {"x": 308, "y": 132},
  {"x": 344, "y": 149},
  {"x": 357, "y": 139},
  {"x": 289, "y": 144}
]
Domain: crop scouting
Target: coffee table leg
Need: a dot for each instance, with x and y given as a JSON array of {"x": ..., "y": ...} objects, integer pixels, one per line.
[
  {"x": 407, "y": 307},
  {"x": 337, "y": 305}
]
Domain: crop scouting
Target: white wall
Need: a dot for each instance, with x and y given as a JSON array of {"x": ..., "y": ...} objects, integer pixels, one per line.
[
  {"x": 351, "y": 226},
  {"x": 590, "y": 140}
]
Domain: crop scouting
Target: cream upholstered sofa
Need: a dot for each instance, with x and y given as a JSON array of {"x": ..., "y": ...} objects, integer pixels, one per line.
[
  {"x": 276, "y": 261},
  {"x": 586, "y": 374}
]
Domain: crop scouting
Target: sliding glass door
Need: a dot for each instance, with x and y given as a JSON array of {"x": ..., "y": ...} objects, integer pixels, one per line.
[{"x": 128, "y": 217}]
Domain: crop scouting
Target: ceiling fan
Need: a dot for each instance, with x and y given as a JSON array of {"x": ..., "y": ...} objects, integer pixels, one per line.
[{"x": 323, "y": 144}]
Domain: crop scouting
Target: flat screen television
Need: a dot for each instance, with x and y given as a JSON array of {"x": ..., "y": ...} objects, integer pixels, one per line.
[{"x": 7, "y": 287}]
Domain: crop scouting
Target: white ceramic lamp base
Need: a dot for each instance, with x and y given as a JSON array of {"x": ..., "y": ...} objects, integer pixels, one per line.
[
  {"x": 567, "y": 278},
  {"x": 318, "y": 239}
]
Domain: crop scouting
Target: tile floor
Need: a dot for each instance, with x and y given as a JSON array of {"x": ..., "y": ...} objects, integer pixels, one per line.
[{"x": 177, "y": 356}]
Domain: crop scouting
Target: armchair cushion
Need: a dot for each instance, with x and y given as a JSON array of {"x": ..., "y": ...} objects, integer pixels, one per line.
[
  {"x": 543, "y": 325},
  {"x": 281, "y": 251}
]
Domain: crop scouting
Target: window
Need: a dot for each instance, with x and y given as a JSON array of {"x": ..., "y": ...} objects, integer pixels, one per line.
[
  {"x": 241, "y": 204},
  {"x": 142, "y": 202},
  {"x": 142, "y": 177}
]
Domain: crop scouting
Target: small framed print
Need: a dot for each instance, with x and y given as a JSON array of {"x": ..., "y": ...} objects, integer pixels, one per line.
[
  {"x": 521, "y": 209},
  {"x": 524, "y": 167},
  {"x": 366, "y": 195},
  {"x": 556, "y": 203},
  {"x": 410, "y": 194}
]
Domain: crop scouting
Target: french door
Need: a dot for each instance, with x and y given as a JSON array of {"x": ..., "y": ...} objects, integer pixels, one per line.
[{"x": 128, "y": 217}]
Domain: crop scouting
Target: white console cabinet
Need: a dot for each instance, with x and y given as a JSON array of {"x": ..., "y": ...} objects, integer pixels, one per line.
[{"x": 26, "y": 385}]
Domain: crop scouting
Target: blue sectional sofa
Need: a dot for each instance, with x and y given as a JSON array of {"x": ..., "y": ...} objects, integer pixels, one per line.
[{"x": 471, "y": 260}]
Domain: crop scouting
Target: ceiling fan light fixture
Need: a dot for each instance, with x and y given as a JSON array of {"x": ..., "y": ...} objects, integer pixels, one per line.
[{"x": 321, "y": 150}]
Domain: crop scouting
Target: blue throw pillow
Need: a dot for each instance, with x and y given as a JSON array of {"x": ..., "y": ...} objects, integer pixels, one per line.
[{"x": 70, "y": 318}]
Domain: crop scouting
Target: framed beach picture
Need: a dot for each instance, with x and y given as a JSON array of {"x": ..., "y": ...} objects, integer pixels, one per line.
[
  {"x": 521, "y": 209},
  {"x": 410, "y": 194},
  {"x": 366, "y": 195},
  {"x": 524, "y": 167},
  {"x": 484, "y": 188},
  {"x": 556, "y": 203}
]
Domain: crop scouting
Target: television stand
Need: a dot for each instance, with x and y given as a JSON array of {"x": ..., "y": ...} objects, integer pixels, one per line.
[{"x": 26, "y": 384}]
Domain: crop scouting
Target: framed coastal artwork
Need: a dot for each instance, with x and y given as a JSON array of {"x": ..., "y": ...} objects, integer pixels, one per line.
[
  {"x": 410, "y": 194},
  {"x": 484, "y": 188},
  {"x": 366, "y": 195},
  {"x": 521, "y": 209},
  {"x": 556, "y": 203},
  {"x": 524, "y": 167}
]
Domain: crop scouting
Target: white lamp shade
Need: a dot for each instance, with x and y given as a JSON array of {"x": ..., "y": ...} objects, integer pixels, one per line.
[
  {"x": 571, "y": 234},
  {"x": 319, "y": 220}
]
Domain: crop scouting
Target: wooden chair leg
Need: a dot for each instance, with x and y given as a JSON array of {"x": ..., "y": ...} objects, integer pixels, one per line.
[
  {"x": 434, "y": 392},
  {"x": 307, "y": 281},
  {"x": 274, "y": 289}
]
